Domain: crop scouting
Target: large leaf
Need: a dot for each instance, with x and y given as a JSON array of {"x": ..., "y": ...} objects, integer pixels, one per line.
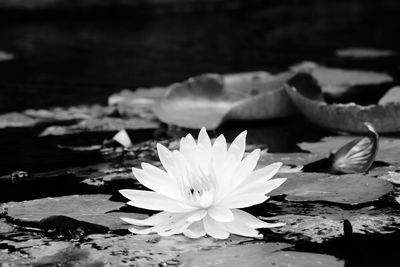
[
  {"x": 347, "y": 117},
  {"x": 263, "y": 254},
  {"x": 88, "y": 208},
  {"x": 345, "y": 189},
  {"x": 210, "y": 99},
  {"x": 319, "y": 222}
]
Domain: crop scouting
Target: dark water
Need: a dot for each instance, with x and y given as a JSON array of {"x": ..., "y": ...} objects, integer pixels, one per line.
[{"x": 64, "y": 61}]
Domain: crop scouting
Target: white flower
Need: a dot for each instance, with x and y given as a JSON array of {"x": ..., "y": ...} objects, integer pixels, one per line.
[{"x": 202, "y": 189}]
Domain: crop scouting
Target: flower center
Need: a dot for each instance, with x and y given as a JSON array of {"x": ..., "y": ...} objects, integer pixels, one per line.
[{"x": 198, "y": 188}]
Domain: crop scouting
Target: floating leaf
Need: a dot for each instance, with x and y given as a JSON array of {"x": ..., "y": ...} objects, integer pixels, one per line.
[
  {"x": 319, "y": 222},
  {"x": 347, "y": 117},
  {"x": 345, "y": 189},
  {"x": 337, "y": 81},
  {"x": 210, "y": 99},
  {"x": 393, "y": 177},
  {"x": 101, "y": 124},
  {"x": 262, "y": 254},
  {"x": 88, "y": 208},
  {"x": 364, "y": 53}
]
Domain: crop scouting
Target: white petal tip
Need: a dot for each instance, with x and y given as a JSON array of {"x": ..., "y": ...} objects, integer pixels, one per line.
[{"x": 123, "y": 139}]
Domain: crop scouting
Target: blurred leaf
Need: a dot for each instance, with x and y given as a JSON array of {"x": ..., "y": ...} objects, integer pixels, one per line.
[
  {"x": 364, "y": 53},
  {"x": 210, "y": 99},
  {"x": 391, "y": 96},
  {"x": 345, "y": 189},
  {"x": 5, "y": 56}
]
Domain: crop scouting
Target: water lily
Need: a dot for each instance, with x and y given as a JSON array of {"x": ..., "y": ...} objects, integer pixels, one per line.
[{"x": 202, "y": 189}]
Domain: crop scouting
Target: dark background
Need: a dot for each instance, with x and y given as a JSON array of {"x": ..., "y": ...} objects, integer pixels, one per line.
[{"x": 80, "y": 52}]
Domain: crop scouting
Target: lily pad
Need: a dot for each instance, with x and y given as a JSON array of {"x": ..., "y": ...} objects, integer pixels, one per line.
[
  {"x": 319, "y": 222},
  {"x": 101, "y": 124},
  {"x": 350, "y": 189},
  {"x": 263, "y": 254},
  {"x": 210, "y": 99},
  {"x": 88, "y": 208},
  {"x": 337, "y": 81}
]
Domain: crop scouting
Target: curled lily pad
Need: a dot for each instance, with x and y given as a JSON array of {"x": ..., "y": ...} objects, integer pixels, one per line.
[
  {"x": 389, "y": 148},
  {"x": 347, "y": 117},
  {"x": 358, "y": 155},
  {"x": 210, "y": 99},
  {"x": 337, "y": 81},
  {"x": 350, "y": 189}
]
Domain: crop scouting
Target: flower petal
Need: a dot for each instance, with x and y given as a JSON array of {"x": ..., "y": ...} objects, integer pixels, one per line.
[
  {"x": 265, "y": 173},
  {"x": 175, "y": 222},
  {"x": 262, "y": 187},
  {"x": 214, "y": 228},
  {"x": 220, "y": 214},
  {"x": 167, "y": 160},
  {"x": 245, "y": 168},
  {"x": 153, "y": 201},
  {"x": 232, "y": 159},
  {"x": 187, "y": 145},
  {"x": 242, "y": 201},
  {"x": 195, "y": 230},
  {"x": 157, "y": 180},
  {"x": 150, "y": 221},
  {"x": 237, "y": 227},
  {"x": 219, "y": 151},
  {"x": 204, "y": 141},
  {"x": 197, "y": 215},
  {"x": 236, "y": 150},
  {"x": 252, "y": 221}
]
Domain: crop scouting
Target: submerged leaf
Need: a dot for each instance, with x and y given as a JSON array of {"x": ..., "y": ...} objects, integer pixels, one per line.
[
  {"x": 210, "y": 99},
  {"x": 350, "y": 189}
]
